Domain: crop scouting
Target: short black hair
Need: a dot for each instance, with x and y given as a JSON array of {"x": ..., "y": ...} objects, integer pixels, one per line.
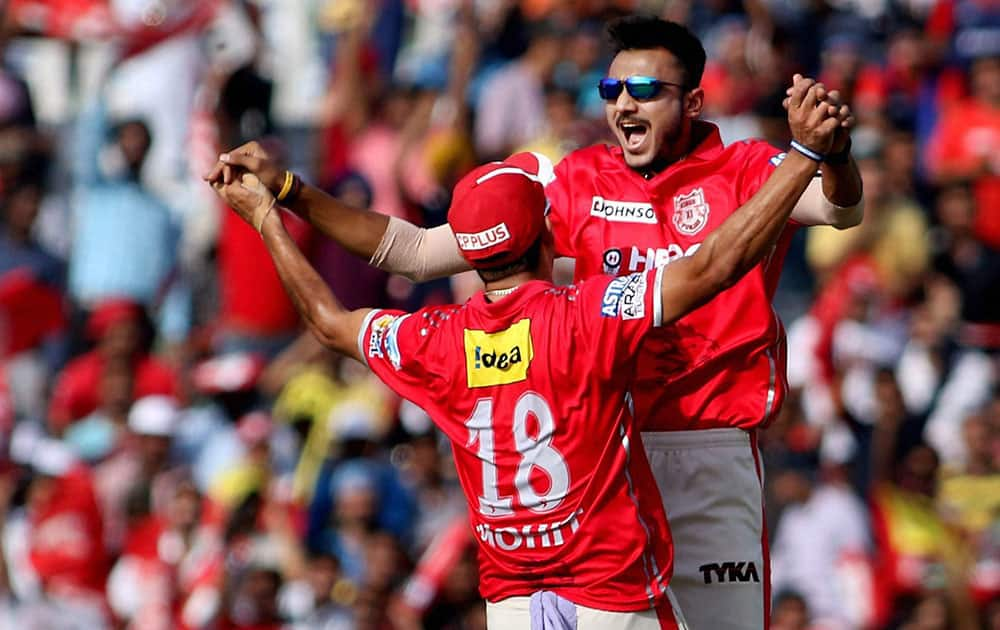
[
  {"x": 643, "y": 32},
  {"x": 527, "y": 261}
]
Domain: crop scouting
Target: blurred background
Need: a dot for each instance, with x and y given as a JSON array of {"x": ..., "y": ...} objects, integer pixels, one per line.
[{"x": 175, "y": 454}]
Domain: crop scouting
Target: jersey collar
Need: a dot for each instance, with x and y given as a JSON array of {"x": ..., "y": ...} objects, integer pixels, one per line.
[
  {"x": 711, "y": 145},
  {"x": 511, "y": 303}
]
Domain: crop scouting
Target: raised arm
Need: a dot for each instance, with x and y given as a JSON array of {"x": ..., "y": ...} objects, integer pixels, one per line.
[
  {"x": 358, "y": 231},
  {"x": 837, "y": 200},
  {"x": 750, "y": 232},
  {"x": 334, "y": 326},
  {"x": 391, "y": 244},
  {"x": 89, "y": 133}
]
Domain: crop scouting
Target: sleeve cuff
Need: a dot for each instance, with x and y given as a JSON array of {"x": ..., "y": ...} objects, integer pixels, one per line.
[
  {"x": 361, "y": 335},
  {"x": 658, "y": 297}
]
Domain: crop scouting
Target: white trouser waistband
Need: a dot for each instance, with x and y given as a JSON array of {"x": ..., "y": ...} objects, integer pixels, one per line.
[{"x": 695, "y": 439}]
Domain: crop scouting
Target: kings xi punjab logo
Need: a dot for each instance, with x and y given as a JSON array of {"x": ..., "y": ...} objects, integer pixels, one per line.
[{"x": 690, "y": 212}]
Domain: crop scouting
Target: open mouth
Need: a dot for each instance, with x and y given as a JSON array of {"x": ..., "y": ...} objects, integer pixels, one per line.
[{"x": 634, "y": 132}]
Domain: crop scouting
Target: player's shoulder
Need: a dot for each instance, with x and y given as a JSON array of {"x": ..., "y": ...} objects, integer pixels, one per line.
[
  {"x": 754, "y": 150},
  {"x": 560, "y": 293},
  {"x": 548, "y": 303},
  {"x": 408, "y": 339},
  {"x": 422, "y": 323},
  {"x": 595, "y": 297},
  {"x": 431, "y": 320}
]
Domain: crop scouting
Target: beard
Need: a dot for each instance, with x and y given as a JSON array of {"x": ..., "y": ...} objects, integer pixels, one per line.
[{"x": 667, "y": 149}]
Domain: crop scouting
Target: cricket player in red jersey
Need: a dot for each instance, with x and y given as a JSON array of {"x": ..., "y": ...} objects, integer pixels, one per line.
[{"x": 530, "y": 383}]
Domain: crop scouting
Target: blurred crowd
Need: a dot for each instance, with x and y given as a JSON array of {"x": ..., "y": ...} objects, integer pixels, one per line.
[{"x": 174, "y": 453}]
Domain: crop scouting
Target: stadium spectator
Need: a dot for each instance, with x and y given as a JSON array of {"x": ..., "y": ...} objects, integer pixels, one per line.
[
  {"x": 139, "y": 479},
  {"x": 893, "y": 235},
  {"x": 966, "y": 143},
  {"x": 308, "y": 601},
  {"x": 121, "y": 332},
  {"x": 20, "y": 249},
  {"x": 32, "y": 285},
  {"x": 116, "y": 218},
  {"x": 790, "y": 612},
  {"x": 827, "y": 504},
  {"x": 511, "y": 106},
  {"x": 64, "y": 537}
]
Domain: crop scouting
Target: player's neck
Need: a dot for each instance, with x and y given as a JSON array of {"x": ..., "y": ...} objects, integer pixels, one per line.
[
  {"x": 504, "y": 287},
  {"x": 673, "y": 152}
]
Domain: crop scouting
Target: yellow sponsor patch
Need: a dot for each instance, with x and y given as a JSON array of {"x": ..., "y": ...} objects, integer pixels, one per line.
[{"x": 498, "y": 358}]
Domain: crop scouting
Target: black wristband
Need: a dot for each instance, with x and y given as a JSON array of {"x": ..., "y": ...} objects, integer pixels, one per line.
[
  {"x": 840, "y": 157},
  {"x": 293, "y": 193}
]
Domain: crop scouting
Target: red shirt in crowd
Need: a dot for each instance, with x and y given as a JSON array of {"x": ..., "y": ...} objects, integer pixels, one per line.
[
  {"x": 30, "y": 311},
  {"x": 253, "y": 298},
  {"x": 77, "y": 389},
  {"x": 170, "y": 573},
  {"x": 532, "y": 392},
  {"x": 66, "y": 537},
  {"x": 722, "y": 365},
  {"x": 967, "y": 142}
]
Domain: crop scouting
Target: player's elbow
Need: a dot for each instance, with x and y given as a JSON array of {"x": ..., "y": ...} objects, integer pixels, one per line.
[
  {"x": 723, "y": 276},
  {"x": 328, "y": 326},
  {"x": 418, "y": 275},
  {"x": 722, "y": 268}
]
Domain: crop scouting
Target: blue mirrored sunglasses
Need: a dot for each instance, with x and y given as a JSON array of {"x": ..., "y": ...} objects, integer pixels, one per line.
[{"x": 642, "y": 88}]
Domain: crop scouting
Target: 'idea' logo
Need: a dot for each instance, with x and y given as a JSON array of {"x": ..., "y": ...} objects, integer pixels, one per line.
[{"x": 498, "y": 358}]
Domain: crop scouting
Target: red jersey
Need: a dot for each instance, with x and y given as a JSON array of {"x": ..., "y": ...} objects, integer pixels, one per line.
[
  {"x": 532, "y": 393},
  {"x": 723, "y": 365}
]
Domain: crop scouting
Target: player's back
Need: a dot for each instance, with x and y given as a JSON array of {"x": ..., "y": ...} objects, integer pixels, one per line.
[{"x": 531, "y": 390}]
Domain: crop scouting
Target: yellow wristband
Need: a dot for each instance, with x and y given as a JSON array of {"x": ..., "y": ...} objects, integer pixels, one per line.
[
  {"x": 287, "y": 186},
  {"x": 260, "y": 216}
]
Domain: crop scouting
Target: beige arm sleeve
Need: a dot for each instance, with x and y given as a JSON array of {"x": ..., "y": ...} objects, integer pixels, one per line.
[
  {"x": 418, "y": 254},
  {"x": 814, "y": 208}
]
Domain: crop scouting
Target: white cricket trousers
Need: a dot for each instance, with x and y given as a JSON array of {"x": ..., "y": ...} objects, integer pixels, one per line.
[{"x": 711, "y": 482}]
